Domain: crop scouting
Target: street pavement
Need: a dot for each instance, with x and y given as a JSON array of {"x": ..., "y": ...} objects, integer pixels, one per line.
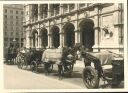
[{"x": 15, "y": 78}]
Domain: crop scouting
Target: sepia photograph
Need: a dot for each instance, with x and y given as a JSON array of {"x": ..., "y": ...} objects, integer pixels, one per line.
[{"x": 63, "y": 46}]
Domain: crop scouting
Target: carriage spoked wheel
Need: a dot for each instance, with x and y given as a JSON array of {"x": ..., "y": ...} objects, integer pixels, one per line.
[
  {"x": 90, "y": 77},
  {"x": 19, "y": 63},
  {"x": 22, "y": 64},
  {"x": 33, "y": 66}
]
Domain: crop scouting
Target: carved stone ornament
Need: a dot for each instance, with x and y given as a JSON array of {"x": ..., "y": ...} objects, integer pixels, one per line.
[
  {"x": 107, "y": 31},
  {"x": 68, "y": 18}
]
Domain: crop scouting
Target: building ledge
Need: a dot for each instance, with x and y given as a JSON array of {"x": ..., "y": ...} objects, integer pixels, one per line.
[{"x": 108, "y": 46}]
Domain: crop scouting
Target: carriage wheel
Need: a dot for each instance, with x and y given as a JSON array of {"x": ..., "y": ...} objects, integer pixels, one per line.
[
  {"x": 68, "y": 69},
  {"x": 33, "y": 66},
  {"x": 21, "y": 63},
  {"x": 90, "y": 77}
]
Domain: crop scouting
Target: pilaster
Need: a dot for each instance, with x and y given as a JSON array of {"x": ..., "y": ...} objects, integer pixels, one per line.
[{"x": 39, "y": 13}]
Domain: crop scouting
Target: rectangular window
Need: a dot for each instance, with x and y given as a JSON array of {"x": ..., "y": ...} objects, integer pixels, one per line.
[
  {"x": 11, "y": 17},
  {"x": 5, "y": 33},
  {"x": 11, "y": 33},
  {"x": 81, "y": 5},
  {"x": 11, "y": 28},
  {"x": 5, "y": 22},
  {"x": 17, "y": 28},
  {"x": 21, "y": 12},
  {"x": 5, "y": 16},
  {"x": 6, "y": 39},
  {"x": 71, "y": 7},
  {"x": 17, "y": 33},
  {"x": 16, "y": 12},
  {"x": 11, "y": 11},
  {"x": 65, "y": 8},
  {"x": 17, "y": 23},
  {"x": 5, "y": 27},
  {"x": 11, "y": 22},
  {"x": 5, "y": 10},
  {"x": 16, "y": 17}
]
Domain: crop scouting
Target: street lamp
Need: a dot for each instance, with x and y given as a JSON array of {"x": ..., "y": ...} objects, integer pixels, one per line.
[{"x": 14, "y": 42}]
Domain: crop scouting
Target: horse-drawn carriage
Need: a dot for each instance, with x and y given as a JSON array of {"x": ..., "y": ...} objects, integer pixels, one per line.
[
  {"x": 10, "y": 56},
  {"x": 105, "y": 65},
  {"x": 26, "y": 57},
  {"x": 62, "y": 58}
]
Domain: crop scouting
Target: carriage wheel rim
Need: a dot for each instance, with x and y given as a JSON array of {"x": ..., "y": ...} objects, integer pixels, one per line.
[{"x": 89, "y": 78}]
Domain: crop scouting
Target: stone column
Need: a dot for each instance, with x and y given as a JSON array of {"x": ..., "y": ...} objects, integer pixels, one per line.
[
  {"x": 49, "y": 38},
  {"x": 77, "y": 31},
  {"x": 27, "y": 41},
  {"x": 76, "y": 6},
  {"x": 36, "y": 40},
  {"x": 48, "y": 10},
  {"x": 61, "y": 9},
  {"x": 49, "y": 41},
  {"x": 118, "y": 22},
  {"x": 96, "y": 29},
  {"x": 96, "y": 38},
  {"x": 28, "y": 37},
  {"x": 68, "y": 8},
  {"x": 39, "y": 14},
  {"x": 37, "y": 37},
  {"x": 118, "y": 27},
  {"x": 31, "y": 42},
  {"x": 61, "y": 39},
  {"x": 77, "y": 36},
  {"x": 39, "y": 41}
]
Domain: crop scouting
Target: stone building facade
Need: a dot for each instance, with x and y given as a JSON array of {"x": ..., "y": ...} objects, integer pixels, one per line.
[
  {"x": 96, "y": 26},
  {"x": 13, "y": 26}
]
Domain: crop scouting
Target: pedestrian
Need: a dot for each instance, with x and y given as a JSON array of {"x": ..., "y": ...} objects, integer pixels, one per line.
[{"x": 78, "y": 54}]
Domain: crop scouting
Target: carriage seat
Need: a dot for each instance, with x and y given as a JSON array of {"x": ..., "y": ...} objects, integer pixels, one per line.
[{"x": 105, "y": 58}]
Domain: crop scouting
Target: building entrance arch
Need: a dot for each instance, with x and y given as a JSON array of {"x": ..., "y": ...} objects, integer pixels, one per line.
[
  {"x": 44, "y": 37},
  {"x": 69, "y": 35},
  {"x": 55, "y": 36},
  {"x": 87, "y": 33}
]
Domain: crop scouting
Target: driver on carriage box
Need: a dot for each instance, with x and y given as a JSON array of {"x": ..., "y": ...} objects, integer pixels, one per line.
[{"x": 68, "y": 59}]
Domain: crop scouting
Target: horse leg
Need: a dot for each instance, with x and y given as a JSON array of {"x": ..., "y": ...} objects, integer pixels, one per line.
[
  {"x": 60, "y": 71},
  {"x": 46, "y": 68}
]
